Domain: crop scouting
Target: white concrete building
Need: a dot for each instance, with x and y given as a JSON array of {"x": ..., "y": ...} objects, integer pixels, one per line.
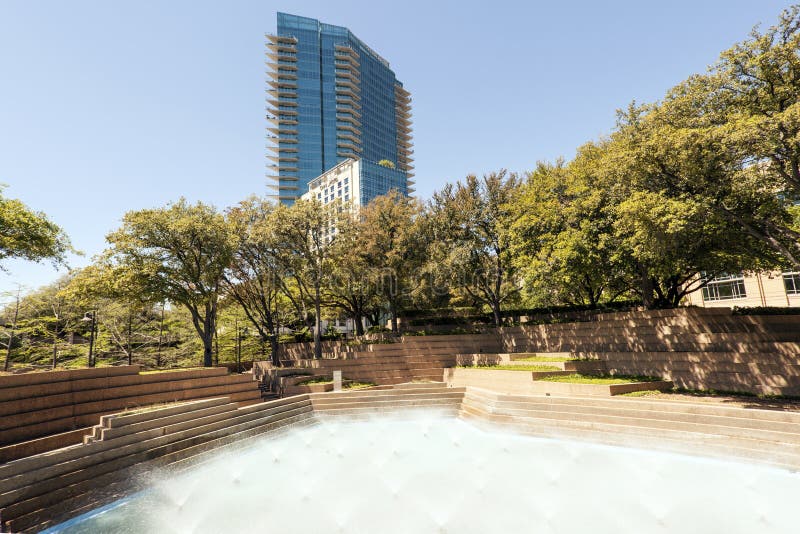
[{"x": 340, "y": 183}]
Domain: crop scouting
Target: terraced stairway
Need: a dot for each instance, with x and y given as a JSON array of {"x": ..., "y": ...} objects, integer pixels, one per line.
[
  {"x": 36, "y": 490},
  {"x": 42, "y": 411},
  {"x": 696, "y": 348},
  {"x": 384, "y": 369},
  {"x": 400, "y": 399},
  {"x": 40, "y": 490},
  {"x": 765, "y": 436}
]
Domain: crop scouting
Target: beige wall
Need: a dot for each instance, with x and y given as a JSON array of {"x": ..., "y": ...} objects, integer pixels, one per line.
[{"x": 763, "y": 289}]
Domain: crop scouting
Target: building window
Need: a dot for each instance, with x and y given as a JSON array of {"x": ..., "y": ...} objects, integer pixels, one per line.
[
  {"x": 791, "y": 281},
  {"x": 727, "y": 287}
]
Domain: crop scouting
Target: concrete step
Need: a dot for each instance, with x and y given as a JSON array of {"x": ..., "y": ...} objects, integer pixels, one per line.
[
  {"x": 118, "y": 484},
  {"x": 30, "y": 506},
  {"x": 661, "y": 439},
  {"x": 643, "y": 403},
  {"x": 706, "y": 425},
  {"x": 48, "y": 482}
]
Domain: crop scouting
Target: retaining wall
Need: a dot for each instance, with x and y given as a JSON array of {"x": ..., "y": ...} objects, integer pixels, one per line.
[{"x": 41, "y": 411}]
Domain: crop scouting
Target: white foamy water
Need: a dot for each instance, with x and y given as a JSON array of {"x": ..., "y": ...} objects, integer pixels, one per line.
[{"x": 434, "y": 475}]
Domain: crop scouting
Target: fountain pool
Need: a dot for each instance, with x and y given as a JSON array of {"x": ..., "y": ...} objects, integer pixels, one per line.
[{"x": 433, "y": 475}]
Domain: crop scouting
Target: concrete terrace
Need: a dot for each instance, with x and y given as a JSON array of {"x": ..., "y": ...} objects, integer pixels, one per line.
[{"x": 44, "y": 489}]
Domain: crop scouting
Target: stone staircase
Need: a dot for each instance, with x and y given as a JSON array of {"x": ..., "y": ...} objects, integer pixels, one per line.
[
  {"x": 765, "y": 436},
  {"x": 44, "y": 489},
  {"x": 42, "y": 411},
  {"x": 39, "y": 488}
]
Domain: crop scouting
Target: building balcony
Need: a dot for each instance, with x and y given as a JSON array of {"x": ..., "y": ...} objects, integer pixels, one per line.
[
  {"x": 282, "y": 84},
  {"x": 346, "y": 49},
  {"x": 282, "y": 131},
  {"x": 286, "y": 39},
  {"x": 281, "y": 65},
  {"x": 282, "y": 149},
  {"x": 277, "y": 75},
  {"x": 282, "y": 93},
  {"x": 348, "y": 145},
  {"x": 283, "y": 188},
  {"x": 279, "y": 57},
  {"x": 282, "y": 168},
  {"x": 283, "y": 159},
  {"x": 347, "y": 59},
  {"x": 348, "y": 137},
  {"x": 346, "y": 126},
  {"x": 283, "y": 112},
  {"x": 348, "y": 92},
  {"x": 277, "y": 103},
  {"x": 279, "y": 122},
  {"x": 344, "y": 99},
  {"x": 345, "y": 73},
  {"x": 344, "y": 82},
  {"x": 282, "y": 46},
  {"x": 347, "y": 118},
  {"x": 347, "y": 109},
  {"x": 348, "y": 64}
]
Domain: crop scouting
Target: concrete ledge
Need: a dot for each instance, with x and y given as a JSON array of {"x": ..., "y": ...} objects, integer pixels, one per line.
[{"x": 541, "y": 387}]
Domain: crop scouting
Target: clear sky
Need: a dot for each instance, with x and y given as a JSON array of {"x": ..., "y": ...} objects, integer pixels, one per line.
[{"x": 114, "y": 105}]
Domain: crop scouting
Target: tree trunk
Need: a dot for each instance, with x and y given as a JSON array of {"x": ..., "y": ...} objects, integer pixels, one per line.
[
  {"x": 130, "y": 341},
  {"x": 11, "y": 335},
  {"x": 496, "y": 313},
  {"x": 208, "y": 349},
  {"x": 160, "y": 337},
  {"x": 393, "y": 312},
  {"x": 647, "y": 289},
  {"x": 317, "y": 325},
  {"x": 359, "y": 324},
  {"x": 55, "y": 348},
  {"x": 273, "y": 345}
]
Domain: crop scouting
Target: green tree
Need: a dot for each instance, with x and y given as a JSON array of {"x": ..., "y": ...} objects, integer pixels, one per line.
[
  {"x": 178, "y": 253},
  {"x": 472, "y": 246},
  {"x": 303, "y": 233},
  {"x": 352, "y": 287},
  {"x": 562, "y": 235},
  {"x": 28, "y": 234},
  {"x": 391, "y": 246},
  {"x": 254, "y": 278}
]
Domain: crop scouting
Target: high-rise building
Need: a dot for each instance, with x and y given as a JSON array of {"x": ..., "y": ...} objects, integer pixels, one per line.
[{"x": 330, "y": 97}]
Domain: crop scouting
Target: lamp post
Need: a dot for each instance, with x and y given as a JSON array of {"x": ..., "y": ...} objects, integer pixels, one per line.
[{"x": 91, "y": 317}]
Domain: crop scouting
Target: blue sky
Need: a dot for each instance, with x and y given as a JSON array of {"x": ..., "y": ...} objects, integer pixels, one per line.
[{"x": 109, "y": 106}]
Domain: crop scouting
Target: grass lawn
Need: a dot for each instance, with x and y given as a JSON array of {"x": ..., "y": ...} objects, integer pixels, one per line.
[
  {"x": 329, "y": 380},
  {"x": 647, "y": 393},
  {"x": 315, "y": 380},
  {"x": 513, "y": 367},
  {"x": 546, "y": 359},
  {"x": 358, "y": 385},
  {"x": 607, "y": 380}
]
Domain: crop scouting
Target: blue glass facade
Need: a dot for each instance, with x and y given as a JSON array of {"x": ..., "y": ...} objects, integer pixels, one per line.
[{"x": 330, "y": 98}]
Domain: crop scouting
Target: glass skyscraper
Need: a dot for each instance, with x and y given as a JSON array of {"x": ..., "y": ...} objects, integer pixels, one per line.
[{"x": 330, "y": 97}]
